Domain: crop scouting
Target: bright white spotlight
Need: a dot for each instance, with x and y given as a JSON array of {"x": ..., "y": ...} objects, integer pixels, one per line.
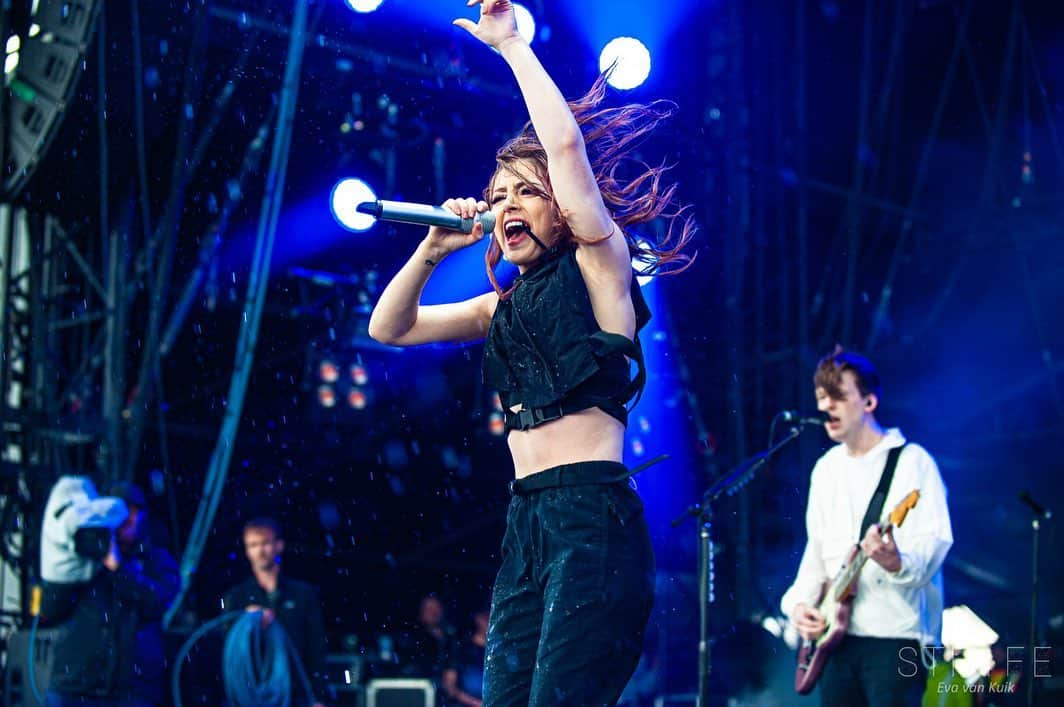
[
  {"x": 526, "y": 24},
  {"x": 633, "y": 62},
  {"x": 364, "y": 5},
  {"x": 345, "y": 198}
]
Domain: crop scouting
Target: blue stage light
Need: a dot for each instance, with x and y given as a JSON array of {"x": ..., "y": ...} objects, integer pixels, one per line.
[
  {"x": 632, "y": 59},
  {"x": 526, "y": 24},
  {"x": 364, "y": 5},
  {"x": 345, "y": 198}
]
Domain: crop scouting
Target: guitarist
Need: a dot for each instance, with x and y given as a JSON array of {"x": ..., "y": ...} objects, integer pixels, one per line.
[{"x": 898, "y": 605}]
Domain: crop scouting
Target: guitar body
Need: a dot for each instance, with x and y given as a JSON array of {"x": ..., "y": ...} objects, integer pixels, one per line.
[
  {"x": 813, "y": 655},
  {"x": 836, "y": 603}
]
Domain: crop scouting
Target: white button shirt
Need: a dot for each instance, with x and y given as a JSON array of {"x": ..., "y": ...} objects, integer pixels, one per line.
[{"x": 903, "y": 604}]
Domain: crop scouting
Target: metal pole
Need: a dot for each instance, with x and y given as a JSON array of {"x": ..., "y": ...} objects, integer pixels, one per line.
[
  {"x": 1032, "y": 640},
  {"x": 256, "y": 294},
  {"x": 164, "y": 237},
  {"x": 705, "y": 599}
]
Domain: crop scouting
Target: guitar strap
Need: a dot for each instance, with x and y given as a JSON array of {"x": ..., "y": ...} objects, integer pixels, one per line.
[{"x": 875, "y": 506}]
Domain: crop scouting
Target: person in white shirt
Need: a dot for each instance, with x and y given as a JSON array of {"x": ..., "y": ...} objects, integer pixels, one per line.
[{"x": 898, "y": 605}]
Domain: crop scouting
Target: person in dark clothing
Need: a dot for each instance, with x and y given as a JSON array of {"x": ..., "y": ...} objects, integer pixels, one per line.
[
  {"x": 98, "y": 604},
  {"x": 573, "y": 595},
  {"x": 294, "y": 604},
  {"x": 160, "y": 567},
  {"x": 463, "y": 677},
  {"x": 424, "y": 650}
]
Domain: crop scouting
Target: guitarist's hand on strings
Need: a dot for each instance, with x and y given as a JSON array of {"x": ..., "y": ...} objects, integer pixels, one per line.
[
  {"x": 880, "y": 547},
  {"x": 809, "y": 622}
]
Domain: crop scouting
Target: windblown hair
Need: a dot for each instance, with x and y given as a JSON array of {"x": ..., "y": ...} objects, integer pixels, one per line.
[
  {"x": 829, "y": 372},
  {"x": 610, "y": 135}
]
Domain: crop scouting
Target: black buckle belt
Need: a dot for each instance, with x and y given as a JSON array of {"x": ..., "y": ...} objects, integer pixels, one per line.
[
  {"x": 527, "y": 418},
  {"x": 574, "y": 474}
]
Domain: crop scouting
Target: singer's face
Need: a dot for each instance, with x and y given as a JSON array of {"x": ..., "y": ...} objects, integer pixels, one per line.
[
  {"x": 521, "y": 203},
  {"x": 846, "y": 414}
]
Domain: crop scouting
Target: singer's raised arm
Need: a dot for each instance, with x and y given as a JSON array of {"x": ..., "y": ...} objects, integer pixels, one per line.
[
  {"x": 399, "y": 319},
  {"x": 605, "y": 259}
]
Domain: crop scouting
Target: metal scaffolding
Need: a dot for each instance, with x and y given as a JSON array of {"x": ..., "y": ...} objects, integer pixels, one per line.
[
  {"x": 58, "y": 333},
  {"x": 71, "y": 398}
]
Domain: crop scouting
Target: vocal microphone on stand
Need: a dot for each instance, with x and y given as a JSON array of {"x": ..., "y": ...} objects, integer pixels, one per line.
[
  {"x": 1040, "y": 511},
  {"x": 803, "y": 418},
  {"x": 425, "y": 215}
]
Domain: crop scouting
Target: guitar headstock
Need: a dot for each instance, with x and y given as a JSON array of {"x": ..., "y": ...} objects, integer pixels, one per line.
[{"x": 897, "y": 516}]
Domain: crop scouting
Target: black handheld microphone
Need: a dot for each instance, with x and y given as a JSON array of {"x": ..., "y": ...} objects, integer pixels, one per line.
[
  {"x": 425, "y": 215},
  {"x": 803, "y": 418}
]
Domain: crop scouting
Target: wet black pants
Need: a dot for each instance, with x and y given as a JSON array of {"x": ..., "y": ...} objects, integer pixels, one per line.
[{"x": 574, "y": 593}]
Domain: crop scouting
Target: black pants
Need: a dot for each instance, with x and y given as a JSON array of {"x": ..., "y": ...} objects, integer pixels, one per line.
[
  {"x": 574, "y": 593},
  {"x": 873, "y": 672}
]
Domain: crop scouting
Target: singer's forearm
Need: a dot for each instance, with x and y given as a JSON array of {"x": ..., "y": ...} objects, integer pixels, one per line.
[
  {"x": 396, "y": 311},
  {"x": 554, "y": 123}
]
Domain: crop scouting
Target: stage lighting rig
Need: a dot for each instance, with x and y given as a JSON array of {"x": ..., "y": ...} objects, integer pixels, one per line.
[{"x": 46, "y": 42}]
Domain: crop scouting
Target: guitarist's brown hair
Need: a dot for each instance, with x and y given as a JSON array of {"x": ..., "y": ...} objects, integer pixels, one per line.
[{"x": 829, "y": 372}]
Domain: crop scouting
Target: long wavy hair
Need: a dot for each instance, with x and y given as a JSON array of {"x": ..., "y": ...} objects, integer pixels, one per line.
[{"x": 610, "y": 135}]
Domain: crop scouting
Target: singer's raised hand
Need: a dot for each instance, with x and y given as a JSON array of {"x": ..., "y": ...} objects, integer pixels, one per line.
[
  {"x": 497, "y": 24},
  {"x": 443, "y": 242}
]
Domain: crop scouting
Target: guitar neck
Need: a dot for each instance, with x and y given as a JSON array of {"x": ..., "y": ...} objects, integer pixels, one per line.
[{"x": 853, "y": 570}]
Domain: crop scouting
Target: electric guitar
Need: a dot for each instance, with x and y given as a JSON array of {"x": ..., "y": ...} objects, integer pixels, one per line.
[{"x": 836, "y": 603}]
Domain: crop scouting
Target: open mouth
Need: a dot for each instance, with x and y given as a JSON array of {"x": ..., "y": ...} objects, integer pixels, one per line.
[
  {"x": 833, "y": 421},
  {"x": 515, "y": 231}
]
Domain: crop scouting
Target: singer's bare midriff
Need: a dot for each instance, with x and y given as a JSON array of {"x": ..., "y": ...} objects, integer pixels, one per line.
[{"x": 588, "y": 435}]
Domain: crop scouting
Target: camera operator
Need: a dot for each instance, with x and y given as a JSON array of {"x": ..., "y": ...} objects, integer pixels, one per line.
[{"x": 98, "y": 596}]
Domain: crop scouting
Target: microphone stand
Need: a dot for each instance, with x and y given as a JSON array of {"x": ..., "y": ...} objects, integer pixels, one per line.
[
  {"x": 728, "y": 484},
  {"x": 1040, "y": 514}
]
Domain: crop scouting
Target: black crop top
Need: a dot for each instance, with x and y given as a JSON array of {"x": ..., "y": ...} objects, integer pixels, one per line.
[{"x": 545, "y": 349}]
